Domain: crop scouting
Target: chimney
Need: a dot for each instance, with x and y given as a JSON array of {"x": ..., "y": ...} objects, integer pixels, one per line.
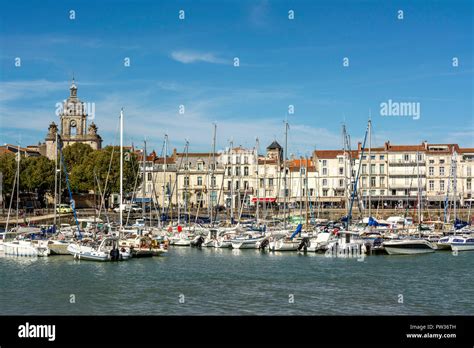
[{"x": 359, "y": 146}]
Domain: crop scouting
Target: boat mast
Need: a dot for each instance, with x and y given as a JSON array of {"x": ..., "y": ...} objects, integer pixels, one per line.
[
  {"x": 301, "y": 189},
  {"x": 213, "y": 167},
  {"x": 370, "y": 166},
  {"x": 284, "y": 169},
  {"x": 18, "y": 183},
  {"x": 144, "y": 180},
  {"x": 231, "y": 183},
  {"x": 164, "y": 176},
  {"x": 188, "y": 219},
  {"x": 257, "y": 182},
  {"x": 419, "y": 188},
  {"x": 307, "y": 192},
  {"x": 121, "y": 171},
  {"x": 454, "y": 171},
  {"x": 55, "y": 178}
]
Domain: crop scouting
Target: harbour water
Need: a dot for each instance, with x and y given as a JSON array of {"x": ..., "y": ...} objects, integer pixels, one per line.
[{"x": 210, "y": 281}]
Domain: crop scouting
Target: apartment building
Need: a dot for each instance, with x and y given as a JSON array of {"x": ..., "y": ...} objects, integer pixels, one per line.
[{"x": 390, "y": 176}]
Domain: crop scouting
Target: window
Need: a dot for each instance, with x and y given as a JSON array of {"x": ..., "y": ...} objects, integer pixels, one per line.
[
  {"x": 186, "y": 181},
  {"x": 246, "y": 171},
  {"x": 229, "y": 159},
  {"x": 364, "y": 169},
  {"x": 382, "y": 157},
  {"x": 149, "y": 177},
  {"x": 341, "y": 183},
  {"x": 364, "y": 182},
  {"x": 431, "y": 171},
  {"x": 382, "y": 169},
  {"x": 364, "y": 157},
  {"x": 431, "y": 185},
  {"x": 325, "y": 182},
  {"x": 469, "y": 171},
  {"x": 341, "y": 171},
  {"x": 372, "y": 157},
  {"x": 372, "y": 192},
  {"x": 262, "y": 182},
  {"x": 237, "y": 185},
  {"x": 237, "y": 160},
  {"x": 406, "y": 157},
  {"x": 372, "y": 168},
  {"x": 441, "y": 161},
  {"x": 303, "y": 170},
  {"x": 441, "y": 185},
  {"x": 325, "y": 171},
  {"x": 325, "y": 162},
  {"x": 468, "y": 184},
  {"x": 325, "y": 192},
  {"x": 341, "y": 160},
  {"x": 420, "y": 157},
  {"x": 372, "y": 181},
  {"x": 199, "y": 180},
  {"x": 237, "y": 171},
  {"x": 246, "y": 185},
  {"x": 200, "y": 166},
  {"x": 311, "y": 191},
  {"x": 441, "y": 171},
  {"x": 382, "y": 182},
  {"x": 229, "y": 185},
  {"x": 229, "y": 171},
  {"x": 382, "y": 192},
  {"x": 270, "y": 182},
  {"x": 213, "y": 181},
  {"x": 246, "y": 159},
  {"x": 431, "y": 161}
]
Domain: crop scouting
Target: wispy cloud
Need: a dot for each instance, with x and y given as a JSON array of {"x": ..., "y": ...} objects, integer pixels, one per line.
[{"x": 187, "y": 57}]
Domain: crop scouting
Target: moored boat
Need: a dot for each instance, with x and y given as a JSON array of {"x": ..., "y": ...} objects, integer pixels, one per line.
[{"x": 408, "y": 247}]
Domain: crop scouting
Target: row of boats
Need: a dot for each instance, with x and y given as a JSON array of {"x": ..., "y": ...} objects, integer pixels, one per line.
[
  {"x": 88, "y": 245},
  {"x": 328, "y": 239},
  {"x": 109, "y": 243}
]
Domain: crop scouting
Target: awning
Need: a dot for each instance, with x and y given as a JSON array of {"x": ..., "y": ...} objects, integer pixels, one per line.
[{"x": 264, "y": 199}]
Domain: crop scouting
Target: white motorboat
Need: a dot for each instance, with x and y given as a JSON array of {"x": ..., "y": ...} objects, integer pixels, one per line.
[
  {"x": 107, "y": 250},
  {"x": 318, "y": 243},
  {"x": 58, "y": 247},
  {"x": 26, "y": 248},
  {"x": 284, "y": 244},
  {"x": 181, "y": 239},
  {"x": 445, "y": 242},
  {"x": 247, "y": 241},
  {"x": 224, "y": 241},
  {"x": 408, "y": 247},
  {"x": 462, "y": 244}
]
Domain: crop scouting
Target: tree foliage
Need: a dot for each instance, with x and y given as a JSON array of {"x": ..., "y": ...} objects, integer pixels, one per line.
[{"x": 83, "y": 165}]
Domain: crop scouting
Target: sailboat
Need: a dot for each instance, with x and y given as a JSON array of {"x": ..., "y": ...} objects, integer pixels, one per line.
[
  {"x": 109, "y": 248},
  {"x": 21, "y": 245}
]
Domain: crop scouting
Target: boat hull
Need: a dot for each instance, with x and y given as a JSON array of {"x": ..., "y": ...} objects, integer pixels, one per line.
[
  {"x": 408, "y": 247},
  {"x": 462, "y": 247}
]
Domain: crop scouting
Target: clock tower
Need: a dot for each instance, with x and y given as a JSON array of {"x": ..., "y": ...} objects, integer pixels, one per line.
[{"x": 73, "y": 125}]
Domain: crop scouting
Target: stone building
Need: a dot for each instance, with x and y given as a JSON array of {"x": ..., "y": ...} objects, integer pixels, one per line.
[{"x": 73, "y": 127}]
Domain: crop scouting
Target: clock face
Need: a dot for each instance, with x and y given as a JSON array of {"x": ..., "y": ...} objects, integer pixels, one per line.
[{"x": 73, "y": 123}]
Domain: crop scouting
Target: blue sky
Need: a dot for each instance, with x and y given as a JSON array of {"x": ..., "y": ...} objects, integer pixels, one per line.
[{"x": 190, "y": 62}]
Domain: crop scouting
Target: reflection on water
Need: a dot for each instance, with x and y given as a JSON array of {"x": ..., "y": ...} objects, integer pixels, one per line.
[{"x": 234, "y": 281}]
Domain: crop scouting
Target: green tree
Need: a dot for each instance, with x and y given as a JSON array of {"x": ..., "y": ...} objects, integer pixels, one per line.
[
  {"x": 76, "y": 154},
  {"x": 8, "y": 170}
]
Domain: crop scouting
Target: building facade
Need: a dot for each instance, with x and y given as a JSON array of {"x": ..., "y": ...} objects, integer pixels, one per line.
[{"x": 73, "y": 127}]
